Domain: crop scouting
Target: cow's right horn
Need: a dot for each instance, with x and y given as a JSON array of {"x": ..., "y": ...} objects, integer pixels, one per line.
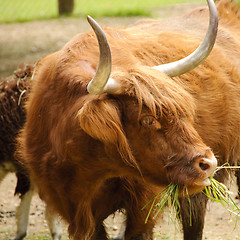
[
  {"x": 101, "y": 81},
  {"x": 200, "y": 54}
]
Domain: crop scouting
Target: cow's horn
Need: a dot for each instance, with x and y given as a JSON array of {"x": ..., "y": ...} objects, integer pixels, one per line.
[
  {"x": 101, "y": 81},
  {"x": 200, "y": 54}
]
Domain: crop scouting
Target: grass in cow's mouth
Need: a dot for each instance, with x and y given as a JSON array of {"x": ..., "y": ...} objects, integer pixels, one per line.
[{"x": 168, "y": 197}]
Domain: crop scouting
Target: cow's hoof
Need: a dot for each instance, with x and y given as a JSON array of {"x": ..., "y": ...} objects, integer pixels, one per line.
[{"x": 20, "y": 236}]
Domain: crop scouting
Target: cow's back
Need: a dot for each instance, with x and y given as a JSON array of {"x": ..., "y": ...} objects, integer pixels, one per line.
[{"x": 194, "y": 24}]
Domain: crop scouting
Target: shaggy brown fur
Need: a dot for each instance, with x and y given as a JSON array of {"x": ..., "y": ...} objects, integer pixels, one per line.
[{"x": 92, "y": 155}]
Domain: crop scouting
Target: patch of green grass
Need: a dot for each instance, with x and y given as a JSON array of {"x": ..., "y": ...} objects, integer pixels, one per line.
[
  {"x": 123, "y": 7},
  {"x": 28, "y": 10}
]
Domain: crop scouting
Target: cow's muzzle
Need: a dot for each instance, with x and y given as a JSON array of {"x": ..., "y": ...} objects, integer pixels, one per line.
[{"x": 206, "y": 166}]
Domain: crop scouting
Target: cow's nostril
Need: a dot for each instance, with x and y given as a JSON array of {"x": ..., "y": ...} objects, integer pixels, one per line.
[{"x": 204, "y": 166}]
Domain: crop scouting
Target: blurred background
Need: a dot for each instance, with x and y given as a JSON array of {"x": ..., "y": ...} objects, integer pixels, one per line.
[
  {"x": 31, "y": 29},
  {"x": 29, "y": 10}
]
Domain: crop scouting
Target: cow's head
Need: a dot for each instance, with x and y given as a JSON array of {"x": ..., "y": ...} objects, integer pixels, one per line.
[{"x": 149, "y": 118}]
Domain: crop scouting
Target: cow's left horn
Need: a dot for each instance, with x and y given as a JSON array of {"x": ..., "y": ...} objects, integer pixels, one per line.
[
  {"x": 200, "y": 54},
  {"x": 101, "y": 81}
]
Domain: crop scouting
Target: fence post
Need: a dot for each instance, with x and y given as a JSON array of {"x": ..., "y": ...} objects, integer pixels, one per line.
[{"x": 65, "y": 7}]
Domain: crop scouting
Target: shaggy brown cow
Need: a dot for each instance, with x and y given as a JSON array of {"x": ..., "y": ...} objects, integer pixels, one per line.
[
  {"x": 13, "y": 92},
  {"x": 93, "y": 147}
]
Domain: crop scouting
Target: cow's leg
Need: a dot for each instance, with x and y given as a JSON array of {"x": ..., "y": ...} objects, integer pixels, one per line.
[
  {"x": 25, "y": 191},
  {"x": 54, "y": 224},
  {"x": 136, "y": 228},
  {"x": 193, "y": 217},
  {"x": 3, "y": 173},
  {"x": 23, "y": 214},
  {"x": 100, "y": 233},
  {"x": 237, "y": 174},
  {"x": 26, "y": 196}
]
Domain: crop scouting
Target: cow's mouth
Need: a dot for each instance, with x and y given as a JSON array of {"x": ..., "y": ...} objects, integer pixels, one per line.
[
  {"x": 196, "y": 187},
  {"x": 190, "y": 190},
  {"x": 203, "y": 183}
]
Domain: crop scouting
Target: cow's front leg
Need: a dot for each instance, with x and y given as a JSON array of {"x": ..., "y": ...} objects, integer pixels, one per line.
[
  {"x": 136, "y": 228},
  {"x": 192, "y": 217}
]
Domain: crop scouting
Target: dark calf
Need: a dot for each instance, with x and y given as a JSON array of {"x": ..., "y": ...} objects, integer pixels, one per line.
[{"x": 13, "y": 92}]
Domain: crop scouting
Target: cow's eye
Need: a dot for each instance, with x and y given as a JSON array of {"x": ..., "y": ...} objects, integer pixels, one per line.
[{"x": 150, "y": 122}]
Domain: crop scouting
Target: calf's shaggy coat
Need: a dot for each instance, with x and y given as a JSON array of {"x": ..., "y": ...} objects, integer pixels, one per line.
[{"x": 13, "y": 94}]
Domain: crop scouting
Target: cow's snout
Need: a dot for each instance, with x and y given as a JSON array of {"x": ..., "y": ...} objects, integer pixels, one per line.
[{"x": 206, "y": 166}]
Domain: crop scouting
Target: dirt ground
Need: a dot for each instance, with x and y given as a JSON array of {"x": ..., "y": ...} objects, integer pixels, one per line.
[
  {"x": 220, "y": 225},
  {"x": 27, "y": 42}
]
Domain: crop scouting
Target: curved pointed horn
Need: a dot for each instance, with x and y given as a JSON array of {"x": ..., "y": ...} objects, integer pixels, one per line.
[
  {"x": 200, "y": 54},
  {"x": 101, "y": 81}
]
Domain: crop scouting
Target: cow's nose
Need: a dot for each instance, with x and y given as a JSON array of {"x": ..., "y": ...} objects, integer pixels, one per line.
[{"x": 206, "y": 165}]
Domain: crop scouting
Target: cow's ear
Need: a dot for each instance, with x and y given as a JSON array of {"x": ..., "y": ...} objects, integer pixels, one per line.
[{"x": 101, "y": 120}]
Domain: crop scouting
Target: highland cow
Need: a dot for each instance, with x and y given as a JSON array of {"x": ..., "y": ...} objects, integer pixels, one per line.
[{"x": 102, "y": 135}]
